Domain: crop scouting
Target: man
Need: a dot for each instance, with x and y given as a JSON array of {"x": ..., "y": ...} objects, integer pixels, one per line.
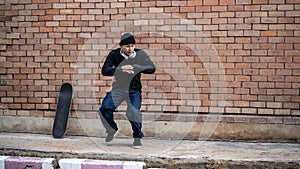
[{"x": 126, "y": 64}]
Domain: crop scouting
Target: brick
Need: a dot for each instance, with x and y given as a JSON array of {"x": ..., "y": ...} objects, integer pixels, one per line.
[
  {"x": 38, "y": 12},
  {"x": 251, "y": 33},
  {"x": 232, "y": 110},
  {"x": 243, "y": 2},
  {"x": 252, "y": 8},
  {"x": 276, "y": 1},
  {"x": 252, "y": 20},
  {"x": 285, "y": 7},
  {"x": 275, "y": 120},
  {"x": 203, "y": 9},
  {"x": 292, "y": 2},
  {"x": 186, "y": 9},
  {"x": 291, "y": 121},
  {"x": 268, "y": 33},
  {"x": 260, "y": 14},
  {"x": 194, "y": 2},
  {"x": 244, "y": 14},
  {"x": 268, "y": 7},
  {"x": 275, "y": 14},
  {"x": 227, "y": 15},
  {"x": 87, "y": 17},
  {"x": 59, "y": 5},
  {"x": 155, "y": 10},
  {"x": 210, "y": 27},
  {"x": 53, "y": 23},
  {"x": 117, "y": 5},
  {"x": 260, "y": 1},
  {"x": 219, "y": 21},
  {"x": 124, "y": 11},
  {"x": 235, "y": 20},
  {"x": 169, "y": 3},
  {"x": 110, "y": 11},
  {"x": 178, "y": 3},
  {"x": 38, "y": 1},
  {"x": 295, "y": 112},
  {"x": 269, "y": 20},
  {"x": 89, "y": 5},
  {"x": 249, "y": 110},
  {"x": 210, "y": 2},
  {"x": 274, "y": 105},
  {"x": 227, "y": 2},
  {"x": 73, "y": 5}
]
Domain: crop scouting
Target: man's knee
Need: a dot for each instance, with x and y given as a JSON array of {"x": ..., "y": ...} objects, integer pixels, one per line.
[
  {"x": 134, "y": 115},
  {"x": 105, "y": 109}
]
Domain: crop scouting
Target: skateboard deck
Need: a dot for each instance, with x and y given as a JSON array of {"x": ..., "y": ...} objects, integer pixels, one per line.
[{"x": 62, "y": 110}]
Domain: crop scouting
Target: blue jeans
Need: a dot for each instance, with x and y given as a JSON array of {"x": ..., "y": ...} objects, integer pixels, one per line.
[{"x": 112, "y": 100}]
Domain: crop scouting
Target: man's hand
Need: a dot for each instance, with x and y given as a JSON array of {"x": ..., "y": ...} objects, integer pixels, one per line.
[{"x": 128, "y": 69}]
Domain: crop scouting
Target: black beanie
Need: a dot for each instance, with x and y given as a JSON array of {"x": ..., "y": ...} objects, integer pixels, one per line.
[{"x": 126, "y": 39}]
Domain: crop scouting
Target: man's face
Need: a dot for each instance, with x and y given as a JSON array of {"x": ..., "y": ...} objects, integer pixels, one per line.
[{"x": 128, "y": 49}]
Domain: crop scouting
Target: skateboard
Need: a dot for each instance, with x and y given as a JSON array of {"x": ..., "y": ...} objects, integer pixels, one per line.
[{"x": 62, "y": 110}]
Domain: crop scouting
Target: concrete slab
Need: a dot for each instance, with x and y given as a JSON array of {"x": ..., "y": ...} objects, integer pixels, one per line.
[
  {"x": 165, "y": 128},
  {"x": 156, "y": 153}
]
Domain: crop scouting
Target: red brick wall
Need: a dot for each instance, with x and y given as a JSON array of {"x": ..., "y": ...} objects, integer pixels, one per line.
[{"x": 224, "y": 56}]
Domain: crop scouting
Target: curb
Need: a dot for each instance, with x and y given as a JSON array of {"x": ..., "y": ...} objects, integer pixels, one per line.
[
  {"x": 9, "y": 162},
  {"x": 90, "y": 164}
]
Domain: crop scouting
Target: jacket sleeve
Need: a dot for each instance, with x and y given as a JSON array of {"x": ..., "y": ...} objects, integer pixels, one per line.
[
  {"x": 145, "y": 66},
  {"x": 108, "y": 68}
]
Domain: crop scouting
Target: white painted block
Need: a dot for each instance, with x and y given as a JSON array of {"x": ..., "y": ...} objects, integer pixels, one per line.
[
  {"x": 49, "y": 163},
  {"x": 88, "y": 164},
  {"x": 70, "y": 163},
  {"x": 2, "y": 161},
  {"x": 134, "y": 165}
]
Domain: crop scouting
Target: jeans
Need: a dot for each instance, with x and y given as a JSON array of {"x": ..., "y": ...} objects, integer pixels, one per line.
[{"x": 112, "y": 100}]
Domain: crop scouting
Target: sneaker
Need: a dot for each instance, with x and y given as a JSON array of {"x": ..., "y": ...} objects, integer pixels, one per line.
[
  {"x": 137, "y": 143},
  {"x": 110, "y": 136}
]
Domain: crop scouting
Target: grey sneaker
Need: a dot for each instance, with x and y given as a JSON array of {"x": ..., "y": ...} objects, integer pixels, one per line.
[
  {"x": 110, "y": 136},
  {"x": 137, "y": 143}
]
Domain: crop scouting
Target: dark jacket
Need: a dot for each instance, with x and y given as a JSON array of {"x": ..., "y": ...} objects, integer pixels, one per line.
[{"x": 141, "y": 64}]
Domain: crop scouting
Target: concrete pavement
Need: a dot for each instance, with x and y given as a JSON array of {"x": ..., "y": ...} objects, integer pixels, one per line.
[{"x": 155, "y": 152}]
